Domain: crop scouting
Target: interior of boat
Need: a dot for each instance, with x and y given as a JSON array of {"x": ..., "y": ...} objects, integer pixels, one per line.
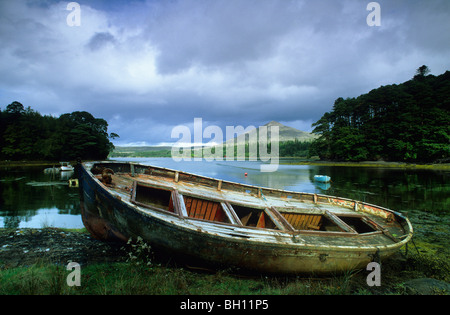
[{"x": 194, "y": 207}]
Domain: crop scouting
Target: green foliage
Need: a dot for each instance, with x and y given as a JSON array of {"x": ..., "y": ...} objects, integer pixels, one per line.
[
  {"x": 409, "y": 122},
  {"x": 294, "y": 148},
  {"x": 27, "y": 135},
  {"x": 139, "y": 153}
]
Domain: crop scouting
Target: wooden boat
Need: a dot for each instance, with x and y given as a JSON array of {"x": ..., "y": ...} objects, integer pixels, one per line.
[{"x": 234, "y": 225}]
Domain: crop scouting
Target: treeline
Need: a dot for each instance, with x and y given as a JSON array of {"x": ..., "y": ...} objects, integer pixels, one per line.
[
  {"x": 142, "y": 154},
  {"x": 294, "y": 148},
  {"x": 409, "y": 122},
  {"x": 27, "y": 135},
  {"x": 286, "y": 149}
]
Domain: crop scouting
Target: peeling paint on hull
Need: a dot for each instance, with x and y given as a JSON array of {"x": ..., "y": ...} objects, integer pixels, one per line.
[{"x": 116, "y": 211}]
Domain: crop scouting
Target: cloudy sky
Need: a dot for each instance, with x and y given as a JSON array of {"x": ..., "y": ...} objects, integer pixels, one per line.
[{"x": 147, "y": 66}]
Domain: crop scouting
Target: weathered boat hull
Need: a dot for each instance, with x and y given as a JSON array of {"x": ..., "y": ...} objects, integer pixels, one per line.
[{"x": 110, "y": 217}]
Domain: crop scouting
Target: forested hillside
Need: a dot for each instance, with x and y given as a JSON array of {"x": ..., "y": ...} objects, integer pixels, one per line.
[
  {"x": 27, "y": 135},
  {"x": 408, "y": 122}
]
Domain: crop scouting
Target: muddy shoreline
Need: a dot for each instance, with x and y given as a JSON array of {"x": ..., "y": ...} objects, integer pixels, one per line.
[{"x": 25, "y": 247}]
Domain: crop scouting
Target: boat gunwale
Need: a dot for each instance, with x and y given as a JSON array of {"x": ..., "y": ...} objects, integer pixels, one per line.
[{"x": 277, "y": 233}]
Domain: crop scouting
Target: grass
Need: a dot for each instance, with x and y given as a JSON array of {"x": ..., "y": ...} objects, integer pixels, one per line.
[
  {"x": 129, "y": 279},
  {"x": 141, "y": 276}
]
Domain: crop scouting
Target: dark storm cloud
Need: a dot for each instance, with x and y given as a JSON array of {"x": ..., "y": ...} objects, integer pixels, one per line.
[
  {"x": 100, "y": 40},
  {"x": 147, "y": 66},
  {"x": 217, "y": 33}
]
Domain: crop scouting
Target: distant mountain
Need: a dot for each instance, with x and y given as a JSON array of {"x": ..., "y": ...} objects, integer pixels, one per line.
[
  {"x": 285, "y": 133},
  {"x": 288, "y": 133}
]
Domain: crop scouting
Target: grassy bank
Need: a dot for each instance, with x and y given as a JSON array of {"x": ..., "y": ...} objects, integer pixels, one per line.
[
  {"x": 283, "y": 160},
  {"x": 129, "y": 278},
  {"x": 126, "y": 278}
]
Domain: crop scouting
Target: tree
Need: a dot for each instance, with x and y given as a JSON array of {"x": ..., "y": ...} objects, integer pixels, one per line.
[
  {"x": 406, "y": 122},
  {"x": 85, "y": 136},
  {"x": 27, "y": 135},
  {"x": 421, "y": 72},
  {"x": 15, "y": 108},
  {"x": 322, "y": 146}
]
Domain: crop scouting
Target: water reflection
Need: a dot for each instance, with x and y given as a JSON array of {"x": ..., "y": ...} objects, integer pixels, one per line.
[
  {"x": 323, "y": 186},
  {"x": 31, "y": 198},
  {"x": 398, "y": 189}
]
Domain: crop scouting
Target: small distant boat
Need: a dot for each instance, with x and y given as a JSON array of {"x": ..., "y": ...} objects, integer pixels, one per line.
[
  {"x": 322, "y": 178},
  {"x": 236, "y": 225},
  {"x": 66, "y": 167}
]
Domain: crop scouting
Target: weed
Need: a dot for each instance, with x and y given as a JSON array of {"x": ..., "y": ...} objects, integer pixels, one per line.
[{"x": 138, "y": 252}]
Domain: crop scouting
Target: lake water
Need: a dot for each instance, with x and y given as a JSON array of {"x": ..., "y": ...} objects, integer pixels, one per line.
[{"x": 31, "y": 198}]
